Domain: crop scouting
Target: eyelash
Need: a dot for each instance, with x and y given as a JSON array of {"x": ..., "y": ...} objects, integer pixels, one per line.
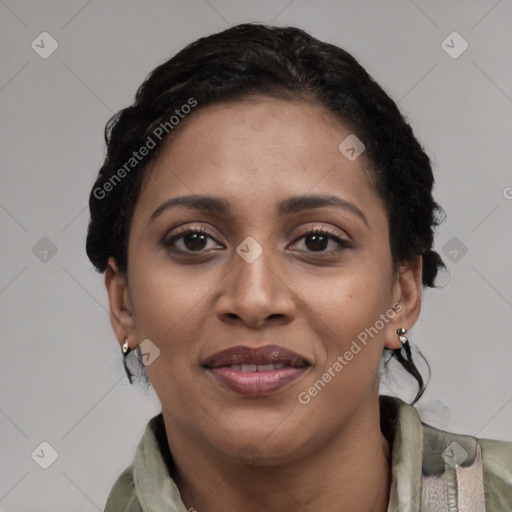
[{"x": 342, "y": 244}]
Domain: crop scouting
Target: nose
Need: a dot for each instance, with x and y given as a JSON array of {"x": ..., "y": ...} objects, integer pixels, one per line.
[{"x": 256, "y": 294}]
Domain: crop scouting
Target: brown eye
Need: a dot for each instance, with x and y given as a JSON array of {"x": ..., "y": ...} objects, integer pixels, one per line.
[
  {"x": 317, "y": 240},
  {"x": 194, "y": 241},
  {"x": 190, "y": 240}
]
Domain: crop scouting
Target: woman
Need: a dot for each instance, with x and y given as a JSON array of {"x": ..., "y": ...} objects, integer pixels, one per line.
[{"x": 264, "y": 218}]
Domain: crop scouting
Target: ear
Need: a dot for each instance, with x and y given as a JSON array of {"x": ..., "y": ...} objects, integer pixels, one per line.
[
  {"x": 121, "y": 312},
  {"x": 407, "y": 290}
]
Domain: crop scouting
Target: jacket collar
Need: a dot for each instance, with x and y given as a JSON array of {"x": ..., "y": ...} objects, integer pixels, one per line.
[{"x": 402, "y": 426}]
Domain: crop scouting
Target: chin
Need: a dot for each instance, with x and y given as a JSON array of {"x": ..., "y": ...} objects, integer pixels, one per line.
[
  {"x": 259, "y": 441},
  {"x": 263, "y": 454}
]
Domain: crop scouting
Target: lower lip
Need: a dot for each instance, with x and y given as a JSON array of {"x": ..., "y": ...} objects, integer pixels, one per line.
[{"x": 257, "y": 383}]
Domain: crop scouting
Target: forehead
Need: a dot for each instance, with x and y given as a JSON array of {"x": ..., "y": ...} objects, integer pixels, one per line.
[{"x": 256, "y": 151}]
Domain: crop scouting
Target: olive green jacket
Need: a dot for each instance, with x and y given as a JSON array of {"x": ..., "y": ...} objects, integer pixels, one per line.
[{"x": 432, "y": 470}]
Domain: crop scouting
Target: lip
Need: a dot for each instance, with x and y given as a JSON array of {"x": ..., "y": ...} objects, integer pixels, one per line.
[{"x": 256, "y": 377}]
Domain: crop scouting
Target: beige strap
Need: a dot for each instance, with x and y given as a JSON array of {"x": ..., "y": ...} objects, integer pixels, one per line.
[
  {"x": 470, "y": 485},
  {"x": 457, "y": 489}
]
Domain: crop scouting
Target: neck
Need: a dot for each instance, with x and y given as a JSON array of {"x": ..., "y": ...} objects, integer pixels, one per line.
[{"x": 351, "y": 469}]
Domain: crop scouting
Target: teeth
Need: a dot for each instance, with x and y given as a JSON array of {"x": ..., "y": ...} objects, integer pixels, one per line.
[{"x": 256, "y": 367}]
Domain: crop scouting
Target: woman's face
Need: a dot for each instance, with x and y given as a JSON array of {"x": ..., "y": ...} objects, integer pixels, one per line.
[{"x": 254, "y": 278}]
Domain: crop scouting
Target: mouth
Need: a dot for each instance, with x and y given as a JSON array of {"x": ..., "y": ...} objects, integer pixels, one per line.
[{"x": 256, "y": 371}]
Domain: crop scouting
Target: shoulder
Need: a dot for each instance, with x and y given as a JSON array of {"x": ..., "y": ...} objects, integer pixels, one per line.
[
  {"x": 445, "y": 469},
  {"x": 122, "y": 497},
  {"x": 147, "y": 483},
  {"x": 497, "y": 465},
  {"x": 471, "y": 466}
]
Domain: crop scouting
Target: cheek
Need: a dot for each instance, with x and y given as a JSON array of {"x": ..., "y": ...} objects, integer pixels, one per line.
[
  {"x": 347, "y": 315},
  {"x": 163, "y": 294},
  {"x": 353, "y": 335},
  {"x": 167, "y": 304}
]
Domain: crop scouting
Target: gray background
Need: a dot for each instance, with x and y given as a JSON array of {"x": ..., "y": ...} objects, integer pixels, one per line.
[{"x": 61, "y": 373}]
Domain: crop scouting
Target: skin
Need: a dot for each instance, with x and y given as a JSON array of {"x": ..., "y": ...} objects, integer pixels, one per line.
[{"x": 236, "y": 452}]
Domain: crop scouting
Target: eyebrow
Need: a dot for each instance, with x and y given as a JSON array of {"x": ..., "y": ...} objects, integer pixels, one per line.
[{"x": 293, "y": 204}]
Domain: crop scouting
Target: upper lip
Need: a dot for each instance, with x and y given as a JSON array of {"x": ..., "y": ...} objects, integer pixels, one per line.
[{"x": 268, "y": 354}]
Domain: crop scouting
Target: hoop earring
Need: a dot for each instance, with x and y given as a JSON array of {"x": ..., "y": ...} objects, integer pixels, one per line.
[{"x": 125, "y": 349}]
